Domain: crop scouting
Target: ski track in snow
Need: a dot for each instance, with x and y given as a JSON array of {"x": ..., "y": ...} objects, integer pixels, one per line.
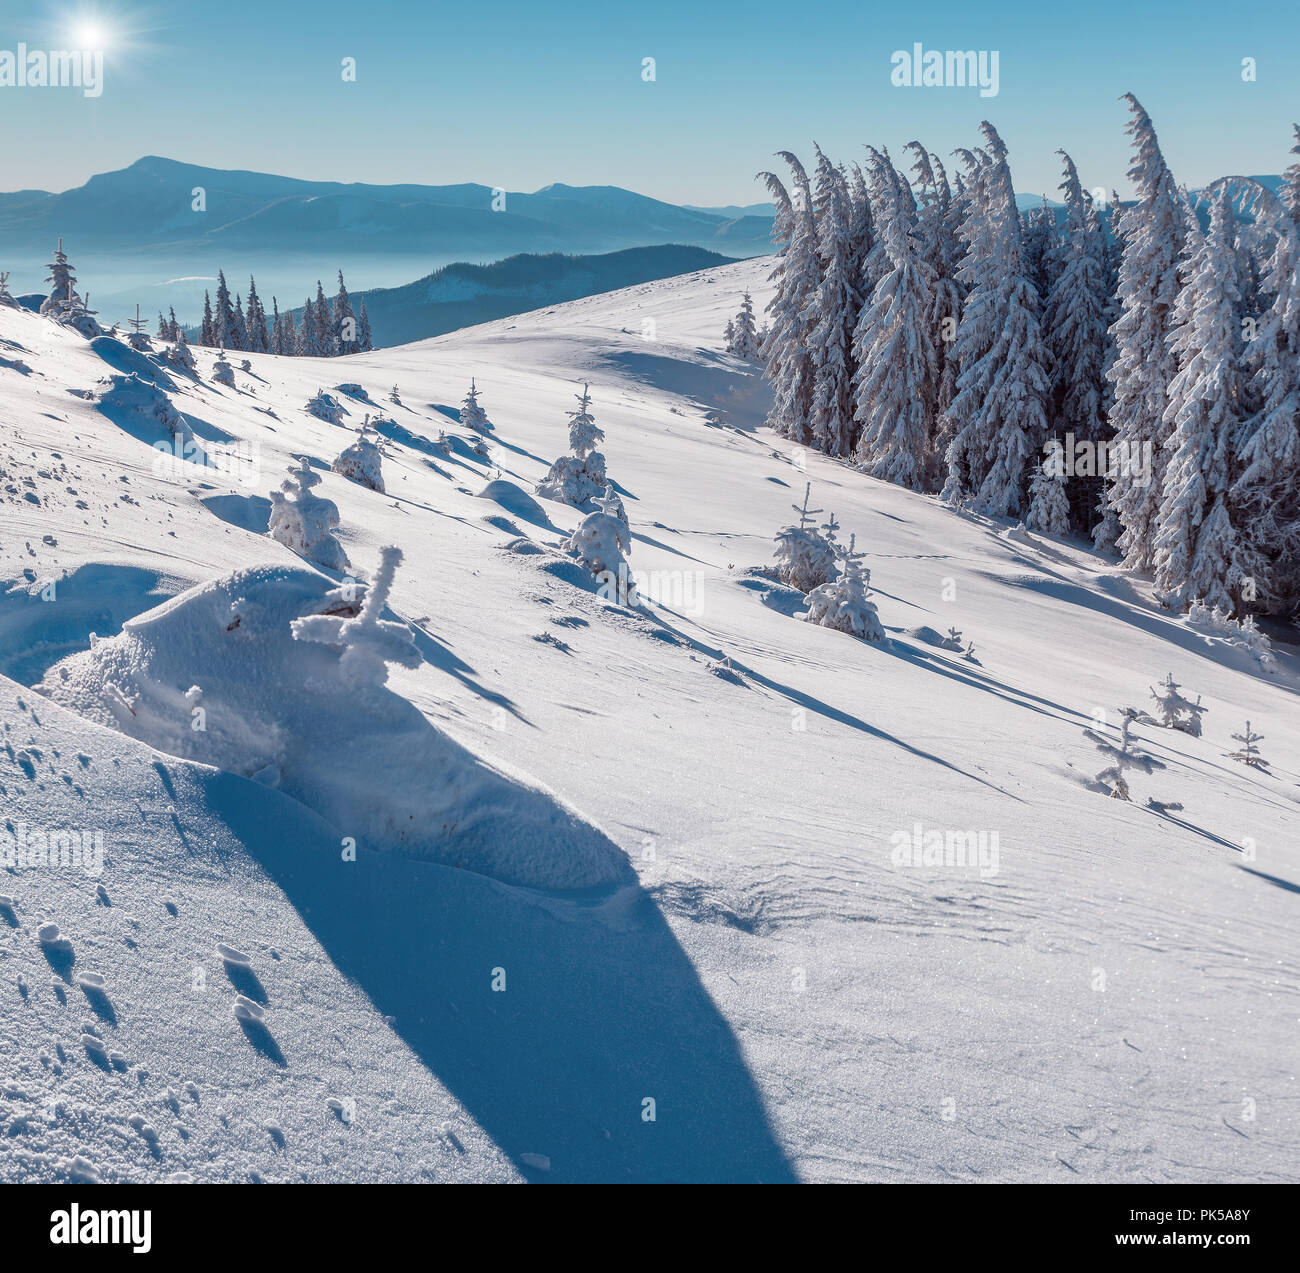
[{"x": 229, "y": 999}]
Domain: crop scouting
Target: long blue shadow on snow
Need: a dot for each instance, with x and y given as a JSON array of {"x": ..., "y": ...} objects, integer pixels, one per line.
[
  {"x": 1144, "y": 617},
  {"x": 602, "y": 1008}
]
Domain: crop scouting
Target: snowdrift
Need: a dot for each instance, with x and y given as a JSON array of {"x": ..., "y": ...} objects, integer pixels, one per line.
[{"x": 216, "y": 675}]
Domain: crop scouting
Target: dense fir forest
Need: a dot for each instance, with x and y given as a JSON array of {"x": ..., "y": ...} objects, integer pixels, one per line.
[{"x": 1127, "y": 371}]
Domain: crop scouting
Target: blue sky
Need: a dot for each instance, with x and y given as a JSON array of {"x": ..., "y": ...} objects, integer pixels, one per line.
[{"x": 522, "y": 94}]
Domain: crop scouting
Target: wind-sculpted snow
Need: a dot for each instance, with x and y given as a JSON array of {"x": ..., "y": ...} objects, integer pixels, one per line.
[{"x": 216, "y": 675}]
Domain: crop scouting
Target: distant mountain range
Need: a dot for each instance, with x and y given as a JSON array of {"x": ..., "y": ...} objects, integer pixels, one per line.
[
  {"x": 150, "y": 206},
  {"x": 463, "y": 295},
  {"x": 135, "y": 236}
]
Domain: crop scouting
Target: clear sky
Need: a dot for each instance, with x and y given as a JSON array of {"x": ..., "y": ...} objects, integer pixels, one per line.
[{"x": 519, "y": 94}]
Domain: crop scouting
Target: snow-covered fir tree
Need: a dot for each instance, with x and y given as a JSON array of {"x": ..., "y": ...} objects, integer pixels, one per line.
[
  {"x": 862, "y": 231},
  {"x": 1124, "y": 756},
  {"x": 578, "y": 477},
  {"x": 1196, "y": 551},
  {"x": 277, "y": 327},
  {"x": 602, "y": 542},
  {"x": 792, "y": 308},
  {"x": 308, "y": 344},
  {"x": 805, "y": 556},
  {"x": 227, "y": 329},
  {"x": 222, "y": 372},
  {"x": 1266, "y": 486},
  {"x": 1144, "y": 366},
  {"x": 180, "y": 354},
  {"x": 894, "y": 394},
  {"x": 472, "y": 415},
  {"x": 63, "y": 300},
  {"x": 289, "y": 341},
  {"x": 305, "y": 522},
  {"x": 844, "y": 603},
  {"x": 241, "y": 324},
  {"x": 999, "y": 416},
  {"x": 742, "y": 335},
  {"x": 834, "y": 309},
  {"x": 585, "y": 435},
  {"x": 365, "y": 338},
  {"x": 326, "y": 337},
  {"x": 1248, "y": 753},
  {"x": 1075, "y": 324},
  {"x": 344, "y": 329},
  {"x": 1040, "y": 240},
  {"x": 1289, "y": 193},
  {"x": 208, "y": 329},
  {"x": 1049, "y": 506},
  {"x": 362, "y": 462},
  {"x": 937, "y": 247},
  {"x": 1176, "y": 711},
  {"x": 259, "y": 339}
]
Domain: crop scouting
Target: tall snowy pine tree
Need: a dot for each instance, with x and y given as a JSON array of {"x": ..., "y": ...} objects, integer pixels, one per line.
[
  {"x": 1144, "y": 367},
  {"x": 1196, "y": 550},
  {"x": 999, "y": 414}
]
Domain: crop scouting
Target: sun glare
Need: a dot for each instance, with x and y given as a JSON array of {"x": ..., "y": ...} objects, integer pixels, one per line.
[{"x": 91, "y": 35}]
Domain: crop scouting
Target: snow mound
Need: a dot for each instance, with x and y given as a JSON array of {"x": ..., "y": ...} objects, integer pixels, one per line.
[
  {"x": 216, "y": 675},
  {"x": 514, "y": 499},
  {"x": 128, "y": 361},
  {"x": 929, "y": 636}
]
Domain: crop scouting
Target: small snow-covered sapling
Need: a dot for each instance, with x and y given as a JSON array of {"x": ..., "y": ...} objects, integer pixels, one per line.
[
  {"x": 601, "y": 542},
  {"x": 368, "y": 642},
  {"x": 1177, "y": 712},
  {"x": 304, "y": 522},
  {"x": 844, "y": 604},
  {"x": 1248, "y": 753},
  {"x": 1124, "y": 756},
  {"x": 472, "y": 415},
  {"x": 805, "y": 557}
]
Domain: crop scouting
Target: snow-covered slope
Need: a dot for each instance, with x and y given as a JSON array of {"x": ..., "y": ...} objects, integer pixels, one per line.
[{"x": 1108, "y": 993}]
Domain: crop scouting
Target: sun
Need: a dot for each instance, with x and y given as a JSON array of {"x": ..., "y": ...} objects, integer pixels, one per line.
[{"x": 91, "y": 35}]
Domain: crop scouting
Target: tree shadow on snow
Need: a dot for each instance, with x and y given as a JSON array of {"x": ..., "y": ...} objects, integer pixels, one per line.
[
  {"x": 737, "y": 399},
  {"x": 1154, "y": 622},
  {"x": 810, "y": 702},
  {"x": 1272, "y": 879},
  {"x": 599, "y": 1009}
]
